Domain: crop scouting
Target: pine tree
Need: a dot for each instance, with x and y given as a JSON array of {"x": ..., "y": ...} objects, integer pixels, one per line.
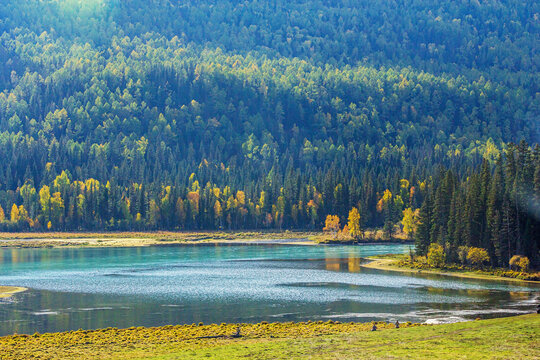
[
  {"x": 423, "y": 239},
  {"x": 493, "y": 214},
  {"x": 475, "y": 216},
  {"x": 441, "y": 208},
  {"x": 507, "y": 235}
]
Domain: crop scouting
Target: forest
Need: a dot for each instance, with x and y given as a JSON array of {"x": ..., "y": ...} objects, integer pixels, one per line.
[{"x": 274, "y": 114}]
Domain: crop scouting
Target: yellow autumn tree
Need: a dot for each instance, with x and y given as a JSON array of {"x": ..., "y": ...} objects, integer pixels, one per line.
[
  {"x": 384, "y": 201},
  {"x": 193, "y": 198},
  {"x": 354, "y": 224},
  {"x": 436, "y": 256},
  {"x": 15, "y": 217},
  {"x": 241, "y": 198},
  {"x": 344, "y": 234},
  {"x": 218, "y": 211},
  {"x": 2, "y": 214},
  {"x": 519, "y": 262},
  {"x": 409, "y": 222},
  {"x": 23, "y": 214},
  {"x": 477, "y": 256},
  {"x": 524, "y": 263},
  {"x": 45, "y": 201},
  {"x": 331, "y": 225},
  {"x": 57, "y": 208}
]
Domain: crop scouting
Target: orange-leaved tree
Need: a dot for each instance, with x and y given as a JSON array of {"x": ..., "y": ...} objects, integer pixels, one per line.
[{"x": 331, "y": 225}]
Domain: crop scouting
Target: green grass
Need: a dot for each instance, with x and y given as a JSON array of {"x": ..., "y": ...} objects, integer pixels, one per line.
[
  {"x": 505, "y": 338},
  {"x": 499, "y": 339}
]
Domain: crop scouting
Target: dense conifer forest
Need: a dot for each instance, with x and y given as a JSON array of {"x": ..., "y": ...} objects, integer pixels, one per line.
[{"x": 272, "y": 114}]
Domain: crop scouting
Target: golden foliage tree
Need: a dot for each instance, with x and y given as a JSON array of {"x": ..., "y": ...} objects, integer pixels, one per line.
[
  {"x": 218, "y": 212},
  {"x": 331, "y": 225},
  {"x": 23, "y": 214},
  {"x": 354, "y": 223},
  {"x": 409, "y": 222},
  {"x": 524, "y": 263},
  {"x": 45, "y": 201},
  {"x": 477, "y": 256},
  {"x": 57, "y": 208},
  {"x": 384, "y": 201},
  {"x": 436, "y": 256},
  {"x": 15, "y": 217},
  {"x": 345, "y": 233},
  {"x": 193, "y": 198},
  {"x": 519, "y": 262}
]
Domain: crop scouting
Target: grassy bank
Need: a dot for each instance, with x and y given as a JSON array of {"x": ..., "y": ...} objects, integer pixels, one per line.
[
  {"x": 126, "y": 239},
  {"x": 395, "y": 263},
  {"x": 8, "y": 291},
  {"x": 515, "y": 337}
]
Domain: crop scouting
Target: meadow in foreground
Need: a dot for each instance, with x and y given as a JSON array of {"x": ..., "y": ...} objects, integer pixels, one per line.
[{"x": 515, "y": 337}]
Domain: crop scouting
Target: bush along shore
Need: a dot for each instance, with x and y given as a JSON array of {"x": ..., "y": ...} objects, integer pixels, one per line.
[{"x": 412, "y": 263}]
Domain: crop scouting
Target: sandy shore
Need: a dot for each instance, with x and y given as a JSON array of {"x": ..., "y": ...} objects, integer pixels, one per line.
[{"x": 134, "y": 239}]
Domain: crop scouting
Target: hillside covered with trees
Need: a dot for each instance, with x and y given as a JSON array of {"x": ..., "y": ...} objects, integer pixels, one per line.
[{"x": 273, "y": 114}]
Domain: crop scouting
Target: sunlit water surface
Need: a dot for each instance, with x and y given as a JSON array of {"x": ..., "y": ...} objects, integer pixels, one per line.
[{"x": 122, "y": 287}]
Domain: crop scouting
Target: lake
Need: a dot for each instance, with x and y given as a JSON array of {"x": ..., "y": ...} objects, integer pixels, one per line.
[{"x": 88, "y": 288}]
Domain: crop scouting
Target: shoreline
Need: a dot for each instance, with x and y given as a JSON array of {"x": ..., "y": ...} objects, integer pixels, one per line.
[
  {"x": 145, "y": 239},
  {"x": 174, "y": 238},
  {"x": 8, "y": 291},
  {"x": 132, "y": 243},
  {"x": 388, "y": 265}
]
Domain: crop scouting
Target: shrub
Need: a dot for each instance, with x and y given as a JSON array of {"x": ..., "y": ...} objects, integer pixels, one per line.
[
  {"x": 514, "y": 261},
  {"x": 524, "y": 263},
  {"x": 519, "y": 262},
  {"x": 436, "y": 256},
  {"x": 477, "y": 256}
]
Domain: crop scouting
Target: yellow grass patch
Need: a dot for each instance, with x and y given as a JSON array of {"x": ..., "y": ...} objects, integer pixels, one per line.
[{"x": 7, "y": 291}]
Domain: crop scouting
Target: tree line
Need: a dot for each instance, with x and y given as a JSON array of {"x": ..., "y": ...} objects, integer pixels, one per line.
[{"x": 495, "y": 208}]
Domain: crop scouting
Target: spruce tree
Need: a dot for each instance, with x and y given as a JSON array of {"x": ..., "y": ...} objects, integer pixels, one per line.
[{"x": 422, "y": 239}]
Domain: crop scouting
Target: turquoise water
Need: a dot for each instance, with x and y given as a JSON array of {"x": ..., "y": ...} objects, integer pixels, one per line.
[{"x": 122, "y": 287}]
